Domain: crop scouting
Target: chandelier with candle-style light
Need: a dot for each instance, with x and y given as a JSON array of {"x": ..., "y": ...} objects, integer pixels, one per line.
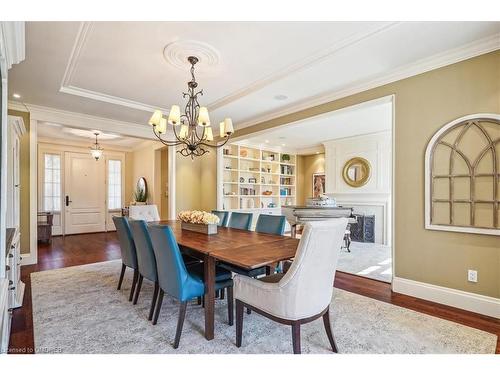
[{"x": 195, "y": 133}]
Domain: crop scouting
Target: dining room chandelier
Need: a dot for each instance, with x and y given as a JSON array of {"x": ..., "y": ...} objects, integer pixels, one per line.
[
  {"x": 192, "y": 129},
  {"x": 96, "y": 150}
]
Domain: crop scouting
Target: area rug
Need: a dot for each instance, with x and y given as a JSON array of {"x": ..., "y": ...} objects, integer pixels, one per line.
[
  {"x": 370, "y": 260},
  {"x": 79, "y": 310}
]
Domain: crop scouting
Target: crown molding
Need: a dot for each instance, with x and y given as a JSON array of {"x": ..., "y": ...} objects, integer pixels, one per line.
[
  {"x": 12, "y": 43},
  {"x": 302, "y": 64},
  {"x": 477, "y": 48},
  {"x": 82, "y": 36},
  {"x": 81, "y": 144},
  {"x": 83, "y": 121}
]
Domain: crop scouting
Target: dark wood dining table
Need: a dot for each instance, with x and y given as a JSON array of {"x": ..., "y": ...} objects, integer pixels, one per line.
[{"x": 242, "y": 248}]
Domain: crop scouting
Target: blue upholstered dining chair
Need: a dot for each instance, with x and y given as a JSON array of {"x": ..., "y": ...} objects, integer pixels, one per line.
[
  {"x": 127, "y": 248},
  {"x": 240, "y": 220},
  {"x": 223, "y": 217},
  {"x": 145, "y": 259},
  {"x": 181, "y": 282},
  {"x": 270, "y": 224}
]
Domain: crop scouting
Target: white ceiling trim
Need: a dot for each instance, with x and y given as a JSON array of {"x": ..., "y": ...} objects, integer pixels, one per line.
[
  {"x": 300, "y": 65},
  {"x": 66, "y": 87},
  {"x": 87, "y": 27},
  {"x": 480, "y": 47},
  {"x": 12, "y": 43},
  {"x": 83, "y": 121},
  {"x": 83, "y": 144}
]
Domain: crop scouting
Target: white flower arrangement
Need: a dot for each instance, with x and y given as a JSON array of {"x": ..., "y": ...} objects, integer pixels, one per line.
[{"x": 198, "y": 217}]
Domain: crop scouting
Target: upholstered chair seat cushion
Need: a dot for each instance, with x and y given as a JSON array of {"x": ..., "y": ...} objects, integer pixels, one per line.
[
  {"x": 307, "y": 288},
  {"x": 148, "y": 212}
]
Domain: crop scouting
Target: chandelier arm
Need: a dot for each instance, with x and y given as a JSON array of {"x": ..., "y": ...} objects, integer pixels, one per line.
[
  {"x": 165, "y": 142},
  {"x": 214, "y": 146}
]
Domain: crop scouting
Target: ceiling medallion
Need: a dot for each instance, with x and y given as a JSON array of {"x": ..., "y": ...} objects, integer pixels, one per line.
[
  {"x": 178, "y": 52},
  {"x": 195, "y": 133}
]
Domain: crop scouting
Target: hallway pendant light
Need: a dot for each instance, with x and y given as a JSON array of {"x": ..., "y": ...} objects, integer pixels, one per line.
[
  {"x": 195, "y": 133},
  {"x": 96, "y": 149}
]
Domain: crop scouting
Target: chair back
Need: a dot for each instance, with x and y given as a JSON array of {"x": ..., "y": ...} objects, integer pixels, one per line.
[
  {"x": 223, "y": 217},
  {"x": 127, "y": 246},
  {"x": 172, "y": 273},
  {"x": 308, "y": 284},
  {"x": 271, "y": 224},
  {"x": 240, "y": 220},
  {"x": 147, "y": 212},
  {"x": 145, "y": 255}
]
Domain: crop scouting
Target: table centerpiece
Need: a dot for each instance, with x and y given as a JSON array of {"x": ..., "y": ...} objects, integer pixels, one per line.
[{"x": 199, "y": 221}]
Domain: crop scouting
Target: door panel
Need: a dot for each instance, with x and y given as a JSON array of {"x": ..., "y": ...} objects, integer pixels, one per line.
[{"x": 85, "y": 194}]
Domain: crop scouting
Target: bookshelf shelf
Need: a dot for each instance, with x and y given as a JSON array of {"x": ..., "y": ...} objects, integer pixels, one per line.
[{"x": 239, "y": 188}]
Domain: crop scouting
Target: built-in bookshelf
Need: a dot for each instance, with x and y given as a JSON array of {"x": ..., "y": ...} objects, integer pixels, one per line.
[{"x": 255, "y": 178}]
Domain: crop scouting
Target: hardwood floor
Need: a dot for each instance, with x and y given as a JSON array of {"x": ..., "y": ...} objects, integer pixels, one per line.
[{"x": 98, "y": 247}]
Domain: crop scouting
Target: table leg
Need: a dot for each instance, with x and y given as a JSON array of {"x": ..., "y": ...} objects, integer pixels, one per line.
[{"x": 209, "y": 268}]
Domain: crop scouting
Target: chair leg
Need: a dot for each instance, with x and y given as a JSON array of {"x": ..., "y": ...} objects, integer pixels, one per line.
[
  {"x": 153, "y": 302},
  {"x": 158, "y": 306},
  {"x": 198, "y": 300},
  {"x": 138, "y": 289},
  {"x": 180, "y": 323},
  {"x": 296, "y": 338},
  {"x": 122, "y": 273},
  {"x": 239, "y": 322},
  {"x": 134, "y": 281},
  {"x": 249, "y": 311},
  {"x": 230, "y": 310},
  {"x": 222, "y": 294},
  {"x": 328, "y": 329},
  {"x": 203, "y": 301}
]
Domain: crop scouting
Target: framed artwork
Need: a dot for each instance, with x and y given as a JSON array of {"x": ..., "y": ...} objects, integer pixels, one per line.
[{"x": 318, "y": 184}]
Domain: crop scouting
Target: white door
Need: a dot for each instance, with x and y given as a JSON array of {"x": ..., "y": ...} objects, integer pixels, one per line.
[{"x": 84, "y": 201}]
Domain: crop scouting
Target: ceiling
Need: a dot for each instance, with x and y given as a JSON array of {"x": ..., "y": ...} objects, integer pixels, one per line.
[
  {"x": 58, "y": 133},
  {"x": 306, "y": 137},
  {"x": 248, "y": 70}
]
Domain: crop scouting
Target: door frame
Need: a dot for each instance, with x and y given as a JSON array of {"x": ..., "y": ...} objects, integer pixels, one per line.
[{"x": 59, "y": 149}]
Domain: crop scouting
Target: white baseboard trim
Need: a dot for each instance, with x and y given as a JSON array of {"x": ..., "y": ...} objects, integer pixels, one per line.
[
  {"x": 452, "y": 297},
  {"x": 27, "y": 259}
]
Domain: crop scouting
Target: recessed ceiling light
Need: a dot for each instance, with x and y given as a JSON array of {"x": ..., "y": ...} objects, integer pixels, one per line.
[
  {"x": 283, "y": 144},
  {"x": 280, "y": 97},
  {"x": 16, "y": 96},
  {"x": 267, "y": 140},
  {"x": 317, "y": 152},
  {"x": 281, "y": 137}
]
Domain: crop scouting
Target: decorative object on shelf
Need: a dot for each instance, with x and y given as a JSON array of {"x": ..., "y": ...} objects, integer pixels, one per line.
[
  {"x": 254, "y": 169},
  {"x": 271, "y": 205},
  {"x": 271, "y": 182},
  {"x": 267, "y": 192},
  {"x": 462, "y": 171},
  {"x": 141, "y": 191},
  {"x": 242, "y": 179},
  {"x": 199, "y": 221},
  {"x": 286, "y": 170},
  {"x": 285, "y": 158},
  {"x": 243, "y": 153},
  {"x": 268, "y": 170},
  {"x": 96, "y": 150},
  {"x": 251, "y": 203},
  {"x": 318, "y": 184},
  {"x": 262, "y": 180},
  {"x": 356, "y": 172},
  {"x": 225, "y": 151},
  {"x": 194, "y": 116},
  {"x": 252, "y": 180}
]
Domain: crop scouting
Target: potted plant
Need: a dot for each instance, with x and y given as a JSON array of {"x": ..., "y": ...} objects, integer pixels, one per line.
[
  {"x": 285, "y": 158},
  {"x": 140, "y": 196}
]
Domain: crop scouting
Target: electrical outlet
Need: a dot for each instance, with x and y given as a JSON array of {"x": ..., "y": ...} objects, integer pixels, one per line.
[{"x": 472, "y": 276}]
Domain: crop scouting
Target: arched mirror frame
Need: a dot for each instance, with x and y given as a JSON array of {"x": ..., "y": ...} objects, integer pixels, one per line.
[{"x": 465, "y": 122}]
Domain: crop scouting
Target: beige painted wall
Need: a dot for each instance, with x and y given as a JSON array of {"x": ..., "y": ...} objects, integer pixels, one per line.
[
  {"x": 25, "y": 182},
  {"x": 188, "y": 183},
  {"x": 423, "y": 104},
  {"x": 312, "y": 164}
]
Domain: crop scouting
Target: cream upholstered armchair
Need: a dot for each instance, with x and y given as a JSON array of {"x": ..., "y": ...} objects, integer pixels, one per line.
[
  {"x": 147, "y": 212},
  {"x": 304, "y": 293}
]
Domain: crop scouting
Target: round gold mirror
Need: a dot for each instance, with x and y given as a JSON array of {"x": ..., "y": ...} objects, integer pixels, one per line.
[{"x": 356, "y": 172}]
